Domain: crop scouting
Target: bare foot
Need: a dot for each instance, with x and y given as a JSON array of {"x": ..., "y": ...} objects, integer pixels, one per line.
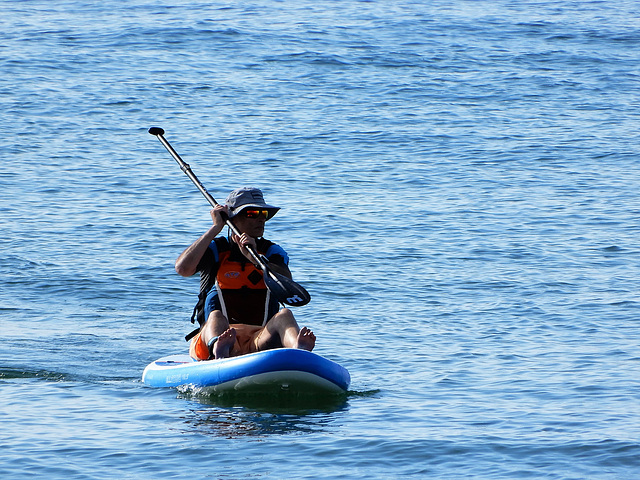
[
  {"x": 306, "y": 339},
  {"x": 225, "y": 343}
]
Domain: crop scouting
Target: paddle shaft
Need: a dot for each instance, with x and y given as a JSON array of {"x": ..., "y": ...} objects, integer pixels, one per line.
[
  {"x": 285, "y": 290},
  {"x": 186, "y": 168}
]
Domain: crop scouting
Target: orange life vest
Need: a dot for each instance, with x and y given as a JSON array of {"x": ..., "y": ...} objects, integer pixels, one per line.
[
  {"x": 233, "y": 275},
  {"x": 242, "y": 293}
]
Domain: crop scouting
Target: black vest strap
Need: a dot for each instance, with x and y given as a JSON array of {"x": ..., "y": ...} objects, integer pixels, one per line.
[{"x": 189, "y": 336}]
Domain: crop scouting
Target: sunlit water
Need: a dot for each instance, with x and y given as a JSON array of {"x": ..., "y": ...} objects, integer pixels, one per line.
[{"x": 459, "y": 190}]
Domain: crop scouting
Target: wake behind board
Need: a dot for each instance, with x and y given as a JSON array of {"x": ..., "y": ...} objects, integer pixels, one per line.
[{"x": 283, "y": 369}]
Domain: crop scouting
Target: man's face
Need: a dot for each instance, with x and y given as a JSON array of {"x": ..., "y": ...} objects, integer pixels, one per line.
[{"x": 253, "y": 227}]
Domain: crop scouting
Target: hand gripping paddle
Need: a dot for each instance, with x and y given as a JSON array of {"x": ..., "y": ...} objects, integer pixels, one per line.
[{"x": 282, "y": 288}]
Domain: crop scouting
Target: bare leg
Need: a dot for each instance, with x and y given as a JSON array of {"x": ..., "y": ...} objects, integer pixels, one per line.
[
  {"x": 283, "y": 330},
  {"x": 218, "y": 326}
]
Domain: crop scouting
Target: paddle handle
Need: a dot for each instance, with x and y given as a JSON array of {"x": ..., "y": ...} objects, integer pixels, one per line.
[{"x": 184, "y": 166}]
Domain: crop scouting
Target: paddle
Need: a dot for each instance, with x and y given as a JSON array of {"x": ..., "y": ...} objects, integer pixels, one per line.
[{"x": 283, "y": 288}]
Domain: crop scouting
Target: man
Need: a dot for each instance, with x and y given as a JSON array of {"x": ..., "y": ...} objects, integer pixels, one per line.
[{"x": 239, "y": 313}]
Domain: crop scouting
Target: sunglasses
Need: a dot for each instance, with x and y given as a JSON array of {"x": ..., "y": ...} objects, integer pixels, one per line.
[{"x": 251, "y": 213}]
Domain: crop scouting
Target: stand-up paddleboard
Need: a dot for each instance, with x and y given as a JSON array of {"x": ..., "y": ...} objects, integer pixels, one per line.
[
  {"x": 283, "y": 369},
  {"x": 293, "y": 370}
]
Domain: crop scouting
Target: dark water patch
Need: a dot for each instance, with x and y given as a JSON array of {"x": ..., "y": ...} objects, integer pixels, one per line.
[
  {"x": 7, "y": 373},
  {"x": 276, "y": 402},
  {"x": 258, "y": 420},
  {"x": 612, "y": 249},
  {"x": 18, "y": 263},
  {"x": 307, "y": 58}
]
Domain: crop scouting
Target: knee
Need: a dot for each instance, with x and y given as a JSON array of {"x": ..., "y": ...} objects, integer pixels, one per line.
[
  {"x": 285, "y": 317},
  {"x": 217, "y": 318}
]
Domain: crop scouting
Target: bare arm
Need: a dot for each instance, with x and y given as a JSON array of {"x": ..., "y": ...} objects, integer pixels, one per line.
[{"x": 187, "y": 262}]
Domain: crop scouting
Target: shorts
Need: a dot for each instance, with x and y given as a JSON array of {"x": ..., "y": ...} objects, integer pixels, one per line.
[{"x": 246, "y": 342}]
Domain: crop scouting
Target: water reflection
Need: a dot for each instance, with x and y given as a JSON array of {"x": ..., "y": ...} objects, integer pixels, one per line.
[{"x": 233, "y": 417}]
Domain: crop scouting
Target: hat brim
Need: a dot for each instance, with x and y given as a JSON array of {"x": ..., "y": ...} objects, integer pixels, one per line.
[{"x": 235, "y": 211}]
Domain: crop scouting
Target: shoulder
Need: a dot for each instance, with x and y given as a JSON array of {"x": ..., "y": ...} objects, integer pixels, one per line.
[
  {"x": 216, "y": 247},
  {"x": 220, "y": 244},
  {"x": 274, "y": 252}
]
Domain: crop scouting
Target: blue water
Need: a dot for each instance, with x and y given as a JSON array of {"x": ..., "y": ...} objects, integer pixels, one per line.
[{"x": 459, "y": 183}]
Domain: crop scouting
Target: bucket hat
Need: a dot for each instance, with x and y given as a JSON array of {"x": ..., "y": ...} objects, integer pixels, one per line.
[{"x": 246, "y": 197}]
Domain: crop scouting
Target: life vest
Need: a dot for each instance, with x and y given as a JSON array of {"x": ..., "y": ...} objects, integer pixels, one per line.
[
  {"x": 237, "y": 274},
  {"x": 243, "y": 295}
]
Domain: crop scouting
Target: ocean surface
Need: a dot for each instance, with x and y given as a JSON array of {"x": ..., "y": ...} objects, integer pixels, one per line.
[{"x": 459, "y": 183}]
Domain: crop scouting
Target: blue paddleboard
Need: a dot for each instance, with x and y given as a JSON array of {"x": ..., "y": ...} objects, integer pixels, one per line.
[{"x": 289, "y": 369}]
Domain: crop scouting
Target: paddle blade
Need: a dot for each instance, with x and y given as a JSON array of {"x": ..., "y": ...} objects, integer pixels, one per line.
[{"x": 286, "y": 290}]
